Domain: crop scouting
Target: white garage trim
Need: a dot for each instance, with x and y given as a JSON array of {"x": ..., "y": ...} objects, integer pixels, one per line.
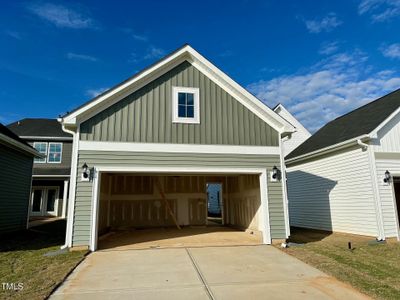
[
  {"x": 177, "y": 148},
  {"x": 187, "y": 170}
]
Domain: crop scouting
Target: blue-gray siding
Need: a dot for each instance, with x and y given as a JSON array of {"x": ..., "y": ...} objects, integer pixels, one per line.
[{"x": 15, "y": 184}]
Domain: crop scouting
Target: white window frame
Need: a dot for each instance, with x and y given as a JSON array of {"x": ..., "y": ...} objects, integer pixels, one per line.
[
  {"x": 196, "y": 102},
  {"x": 48, "y": 153}
]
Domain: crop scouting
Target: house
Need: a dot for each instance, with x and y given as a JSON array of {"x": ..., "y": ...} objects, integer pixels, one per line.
[
  {"x": 295, "y": 139},
  {"x": 16, "y": 160},
  {"x": 345, "y": 177},
  {"x": 145, "y": 150},
  {"x": 50, "y": 179}
]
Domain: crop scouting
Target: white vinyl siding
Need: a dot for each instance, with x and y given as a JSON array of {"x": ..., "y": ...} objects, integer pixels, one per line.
[
  {"x": 389, "y": 137},
  {"x": 386, "y": 194},
  {"x": 333, "y": 193}
]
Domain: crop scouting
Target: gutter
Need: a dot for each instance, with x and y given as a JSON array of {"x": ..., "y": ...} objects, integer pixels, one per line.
[
  {"x": 68, "y": 232},
  {"x": 354, "y": 141}
]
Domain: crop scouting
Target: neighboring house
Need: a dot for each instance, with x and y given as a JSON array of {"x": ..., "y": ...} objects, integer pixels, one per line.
[
  {"x": 301, "y": 134},
  {"x": 50, "y": 179},
  {"x": 16, "y": 160},
  {"x": 346, "y": 177},
  {"x": 175, "y": 126}
]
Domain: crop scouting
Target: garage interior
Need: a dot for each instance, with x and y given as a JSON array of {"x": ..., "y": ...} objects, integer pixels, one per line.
[{"x": 139, "y": 211}]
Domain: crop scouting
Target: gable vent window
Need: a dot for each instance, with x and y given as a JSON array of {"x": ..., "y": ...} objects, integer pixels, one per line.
[{"x": 185, "y": 105}]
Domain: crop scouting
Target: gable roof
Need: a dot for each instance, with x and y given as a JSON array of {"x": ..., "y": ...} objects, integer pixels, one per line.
[
  {"x": 185, "y": 53},
  {"x": 361, "y": 121},
  {"x": 43, "y": 128},
  {"x": 10, "y": 139}
]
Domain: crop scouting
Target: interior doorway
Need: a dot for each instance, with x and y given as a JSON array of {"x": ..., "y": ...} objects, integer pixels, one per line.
[{"x": 215, "y": 204}]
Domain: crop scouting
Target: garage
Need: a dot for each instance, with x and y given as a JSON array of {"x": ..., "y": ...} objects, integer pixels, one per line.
[{"x": 147, "y": 210}]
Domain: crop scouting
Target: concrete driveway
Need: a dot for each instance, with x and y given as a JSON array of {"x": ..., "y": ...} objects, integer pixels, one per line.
[{"x": 241, "y": 272}]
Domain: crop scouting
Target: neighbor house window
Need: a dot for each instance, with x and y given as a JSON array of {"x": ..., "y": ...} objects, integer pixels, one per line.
[
  {"x": 185, "y": 105},
  {"x": 41, "y": 148},
  {"x": 55, "y": 150}
]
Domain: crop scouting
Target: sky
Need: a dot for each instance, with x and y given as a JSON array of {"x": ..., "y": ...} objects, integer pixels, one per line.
[{"x": 320, "y": 59}]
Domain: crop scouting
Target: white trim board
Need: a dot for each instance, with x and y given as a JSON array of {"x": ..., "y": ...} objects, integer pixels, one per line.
[
  {"x": 187, "y": 170},
  {"x": 197, "y": 60},
  {"x": 177, "y": 148}
]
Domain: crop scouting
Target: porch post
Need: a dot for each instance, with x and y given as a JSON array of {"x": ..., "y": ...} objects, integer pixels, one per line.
[{"x": 65, "y": 196}]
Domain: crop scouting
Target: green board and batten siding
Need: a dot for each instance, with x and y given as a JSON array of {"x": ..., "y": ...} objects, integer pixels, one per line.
[
  {"x": 15, "y": 186},
  {"x": 81, "y": 231},
  {"x": 145, "y": 116}
]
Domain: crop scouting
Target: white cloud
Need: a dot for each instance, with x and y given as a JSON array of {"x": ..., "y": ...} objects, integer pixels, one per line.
[
  {"x": 141, "y": 38},
  {"x": 76, "y": 56},
  {"x": 380, "y": 10},
  {"x": 328, "y": 89},
  {"x": 328, "y": 48},
  {"x": 391, "y": 51},
  {"x": 61, "y": 16},
  {"x": 95, "y": 92},
  {"x": 154, "y": 53},
  {"x": 328, "y": 23}
]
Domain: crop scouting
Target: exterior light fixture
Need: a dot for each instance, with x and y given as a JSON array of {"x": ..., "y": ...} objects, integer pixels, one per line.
[
  {"x": 387, "y": 177},
  {"x": 275, "y": 172},
  {"x": 85, "y": 172}
]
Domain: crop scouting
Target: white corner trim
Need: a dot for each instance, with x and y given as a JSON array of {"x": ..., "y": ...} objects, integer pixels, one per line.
[
  {"x": 375, "y": 189},
  {"x": 183, "y": 170},
  {"x": 177, "y": 148},
  {"x": 186, "y": 53},
  {"x": 284, "y": 190},
  {"x": 175, "y": 107}
]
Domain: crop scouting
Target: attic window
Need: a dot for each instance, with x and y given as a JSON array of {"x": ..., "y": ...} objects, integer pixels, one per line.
[{"x": 185, "y": 103}]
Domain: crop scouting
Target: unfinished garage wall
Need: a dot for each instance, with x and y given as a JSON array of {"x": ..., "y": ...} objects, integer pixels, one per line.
[
  {"x": 243, "y": 203},
  {"x": 135, "y": 201}
]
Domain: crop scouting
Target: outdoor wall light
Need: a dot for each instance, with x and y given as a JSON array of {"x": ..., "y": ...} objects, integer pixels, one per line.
[
  {"x": 275, "y": 172},
  {"x": 387, "y": 177},
  {"x": 85, "y": 172}
]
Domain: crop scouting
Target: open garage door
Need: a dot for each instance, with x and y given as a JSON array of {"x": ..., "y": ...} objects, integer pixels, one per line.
[{"x": 137, "y": 211}]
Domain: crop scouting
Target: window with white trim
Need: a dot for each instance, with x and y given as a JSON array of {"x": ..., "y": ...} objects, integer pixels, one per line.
[
  {"x": 41, "y": 148},
  {"x": 55, "y": 151},
  {"x": 185, "y": 105}
]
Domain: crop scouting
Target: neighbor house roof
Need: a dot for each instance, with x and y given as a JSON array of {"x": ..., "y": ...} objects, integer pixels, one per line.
[
  {"x": 7, "y": 137},
  {"x": 184, "y": 53},
  {"x": 42, "y": 128},
  {"x": 359, "y": 122}
]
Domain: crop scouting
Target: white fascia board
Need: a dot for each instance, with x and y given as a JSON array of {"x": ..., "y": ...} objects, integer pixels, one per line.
[
  {"x": 298, "y": 123},
  {"x": 374, "y": 133},
  {"x": 177, "y": 148},
  {"x": 191, "y": 55},
  {"x": 72, "y": 118},
  {"x": 332, "y": 148}
]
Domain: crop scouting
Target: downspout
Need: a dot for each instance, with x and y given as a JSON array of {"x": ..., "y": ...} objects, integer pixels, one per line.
[
  {"x": 375, "y": 188},
  {"x": 71, "y": 198}
]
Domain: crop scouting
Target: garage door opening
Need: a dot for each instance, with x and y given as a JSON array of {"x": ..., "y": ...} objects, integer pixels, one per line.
[{"x": 139, "y": 211}]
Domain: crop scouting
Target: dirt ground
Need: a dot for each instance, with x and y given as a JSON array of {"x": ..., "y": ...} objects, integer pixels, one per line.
[{"x": 175, "y": 238}]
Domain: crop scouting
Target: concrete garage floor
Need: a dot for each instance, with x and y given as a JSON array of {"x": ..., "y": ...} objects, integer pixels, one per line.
[
  {"x": 240, "y": 272},
  {"x": 171, "y": 237}
]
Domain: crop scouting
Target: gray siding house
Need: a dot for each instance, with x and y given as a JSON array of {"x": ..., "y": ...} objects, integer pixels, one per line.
[
  {"x": 16, "y": 160},
  {"x": 50, "y": 176},
  {"x": 346, "y": 177},
  {"x": 174, "y": 127}
]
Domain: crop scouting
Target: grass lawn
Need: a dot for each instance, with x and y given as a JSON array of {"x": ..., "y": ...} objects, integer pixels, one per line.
[
  {"x": 372, "y": 269},
  {"x": 22, "y": 261}
]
